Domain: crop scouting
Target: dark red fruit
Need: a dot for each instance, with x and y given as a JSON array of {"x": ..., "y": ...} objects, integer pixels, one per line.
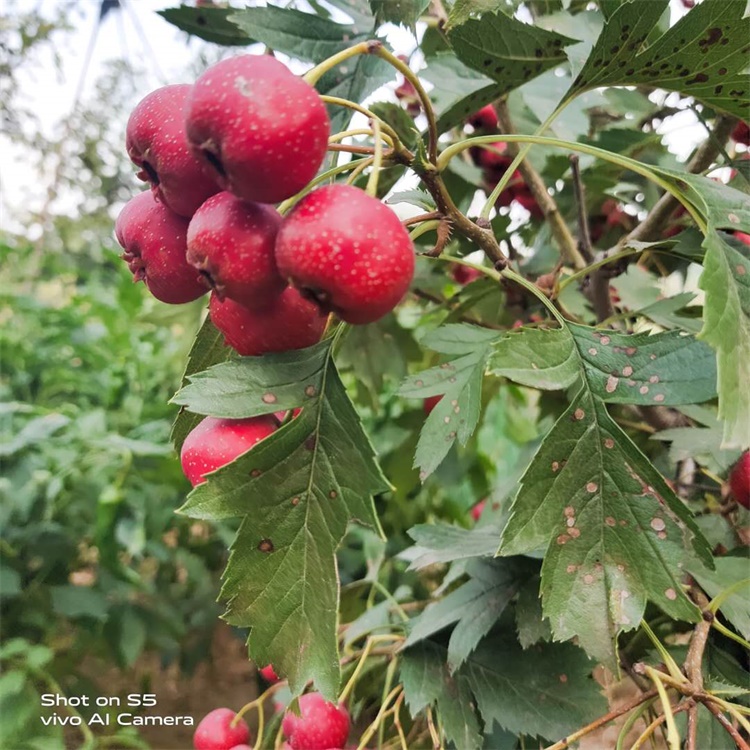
[
  {"x": 156, "y": 142},
  {"x": 476, "y": 511},
  {"x": 739, "y": 480},
  {"x": 528, "y": 201},
  {"x": 430, "y": 403},
  {"x": 492, "y": 158},
  {"x": 155, "y": 241},
  {"x": 231, "y": 243},
  {"x": 320, "y": 725},
  {"x": 741, "y": 133},
  {"x": 347, "y": 251},
  {"x": 742, "y": 237},
  {"x": 262, "y": 130},
  {"x": 407, "y": 94},
  {"x": 289, "y": 322},
  {"x": 215, "y": 443},
  {"x": 215, "y": 733},
  {"x": 463, "y": 274},
  {"x": 268, "y": 674},
  {"x": 485, "y": 119}
]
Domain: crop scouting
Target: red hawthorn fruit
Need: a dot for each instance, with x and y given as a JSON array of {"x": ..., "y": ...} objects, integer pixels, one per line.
[
  {"x": 231, "y": 242},
  {"x": 156, "y": 143},
  {"x": 463, "y": 274},
  {"x": 528, "y": 201},
  {"x": 407, "y": 95},
  {"x": 492, "y": 158},
  {"x": 741, "y": 133},
  {"x": 289, "y": 322},
  {"x": 476, "y": 511},
  {"x": 485, "y": 119},
  {"x": 215, "y": 733},
  {"x": 268, "y": 674},
  {"x": 262, "y": 130},
  {"x": 347, "y": 251},
  {"x": 430, "y": 403},
  {"x": 739, "y": 480},
  {"x": 214, "y": 443},
  {"x": 320, "y": 725},
  {"x": 743, "y": 237},
  {"x": 155, "y": 241}
]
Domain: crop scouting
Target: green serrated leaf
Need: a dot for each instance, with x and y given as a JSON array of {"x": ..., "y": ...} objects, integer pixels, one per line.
[
  {"x": 669, "y": 368},
  {"x": 251, "y": 386},
  {"x": 211, "y": 24},
  {"x": 208, "y": 349},
  {"x": 726, "y": 281},
  {"x": 463, "y": 10},
  {"x": 404, "y": 12},
  {"x": 530, "y": 622},
  {"x": 537, "y": 357},
  {"x": 615, "y": 534},
  {"x": 427, "y": 682},
  {"x": 544, "y": 691},
  {"x": 474, "y": 607},
  {"x": 506, "y": 50},
  {"x": 296, "y": 491},
  {"x": 458, "y": 91},
  {"x": 459, "y": 381},
  {"x": 418, "y": 198},
  {"x": 305, "y": 36},
  {"x": 440, "y": 543},
  {"x": 703, "y": 55}
]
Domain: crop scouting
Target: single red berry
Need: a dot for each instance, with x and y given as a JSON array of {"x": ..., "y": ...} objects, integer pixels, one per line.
[
  {"x": 215, "y": 733},
  {"x": 268, "y": 674},
  {"x": 476, "y": 511},
  {"x": 492, "y": 157},
  {"x": 231, "y": 243},
  {"x": 688, "y": 4},
  {"x": 262, "y": 130},
  {"x": 741, "y": 133},
  {"x": 739, "y": 480},
  {"x": 156, "y": 142},
  {"x": 485, "y": 119},
  {"x": 430, "y": 403},
  {"x": 742, "y": 237},
  {"x": 289, "y": 322},
  {"x": 347, "y": 251},
  {"x": 320, "y": 725},
  {"x": 155, "y": 242},
  {"x": 464, "y": 275},
  {"x": 528, "y": 201},
  {"x": 408, "y": 96},
  {"x": 215, "y": 443}
]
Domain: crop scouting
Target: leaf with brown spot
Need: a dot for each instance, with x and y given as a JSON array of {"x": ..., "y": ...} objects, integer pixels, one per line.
[
  {"x": 704, "y": 55},
  {"x": 597, "y": 575}
]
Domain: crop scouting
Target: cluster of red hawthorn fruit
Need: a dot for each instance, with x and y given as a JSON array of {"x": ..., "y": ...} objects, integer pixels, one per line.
[
  {"x": 218, "y": 154},
  {"x": 319, "y": 726}
]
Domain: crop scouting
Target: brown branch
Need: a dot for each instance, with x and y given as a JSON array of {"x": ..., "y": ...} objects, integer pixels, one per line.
[
  {"x": 694, "y": 659},
  {"x": 731, "y": 730},
  {"x": 565, "y": 240},
  {"x": 691, "y": 741},
  {"x": 602, "y": 720},
  {"x": 480, "y": 236},
  {"x": 422, "y": 217},
  {"x": 598, "y": 290}
]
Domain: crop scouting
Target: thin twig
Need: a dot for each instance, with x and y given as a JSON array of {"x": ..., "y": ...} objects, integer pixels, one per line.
[
  {"x": 565, "y": 240},
  {"x": 731, "y": 730},
  {"x": 584, "y": 236},
  {"x": 602, "y": 720},
  {"x": 694, "y": 658}
]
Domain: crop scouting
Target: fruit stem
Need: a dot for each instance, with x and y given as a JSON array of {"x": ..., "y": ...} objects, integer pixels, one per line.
[
  {"x": 372, "y": 182},
  {"x": 315, "y": 74},
  {"x": 287, "y": 204},
  {"x": 359, "y": 131},
  {"x": 371, "y": 641},
  {"x": 384, "y": 126},
  {"x": 413, "y": 78},
  {"x": 361, "y": 166}
]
